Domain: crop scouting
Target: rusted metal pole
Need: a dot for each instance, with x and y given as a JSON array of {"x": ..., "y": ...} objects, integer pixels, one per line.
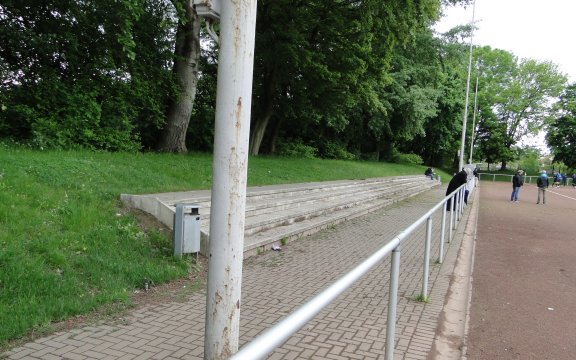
[{"x": 229, "y": 177}]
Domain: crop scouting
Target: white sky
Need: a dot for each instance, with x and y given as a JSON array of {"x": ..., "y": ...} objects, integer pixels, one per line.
[{"x": 536, "y": 29}]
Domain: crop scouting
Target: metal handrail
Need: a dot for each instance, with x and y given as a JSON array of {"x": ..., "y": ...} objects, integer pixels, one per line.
[{"x": 275, "y": 336}]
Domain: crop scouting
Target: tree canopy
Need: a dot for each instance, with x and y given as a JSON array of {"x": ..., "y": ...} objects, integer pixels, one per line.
[
  {"x": 345, "y": 79},
  {"x": 515, "y": 99},
  {"x": 561, "y": 136}
]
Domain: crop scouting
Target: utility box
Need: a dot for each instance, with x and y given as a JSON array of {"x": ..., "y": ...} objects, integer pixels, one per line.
[{"x": 186, "y": 229}]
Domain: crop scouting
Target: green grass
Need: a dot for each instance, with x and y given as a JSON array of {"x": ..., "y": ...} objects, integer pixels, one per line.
[
  {"x": 421, "y": 298},
  {"x": 66, "y": 246}
]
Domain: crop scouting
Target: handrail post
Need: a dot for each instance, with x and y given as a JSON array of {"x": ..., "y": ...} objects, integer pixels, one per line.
[
  {"x": 452, "y": 226},
  {"x": 426, "y": 258},
  {"x": 457, "y": 206},
  {"x": 392, "y": 303},
  {"x": 463, "y": 204},
  {"x": 442, "y": 231}
]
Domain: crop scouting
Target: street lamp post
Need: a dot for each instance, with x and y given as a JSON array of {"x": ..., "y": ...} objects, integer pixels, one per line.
[
  {"x": 474, "y": 115},
  {"x": 463, "y": 140}
]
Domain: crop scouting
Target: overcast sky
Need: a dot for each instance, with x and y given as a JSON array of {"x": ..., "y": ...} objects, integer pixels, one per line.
[{"x": 541, "y": 30}]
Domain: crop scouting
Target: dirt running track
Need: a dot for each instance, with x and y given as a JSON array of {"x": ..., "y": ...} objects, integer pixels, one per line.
[{"x": 524, "y": 281}]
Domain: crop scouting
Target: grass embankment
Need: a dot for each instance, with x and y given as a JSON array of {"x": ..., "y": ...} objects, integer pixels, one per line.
[{"x": 66, "y": 246}]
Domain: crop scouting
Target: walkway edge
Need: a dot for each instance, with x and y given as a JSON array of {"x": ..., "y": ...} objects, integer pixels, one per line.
[{"x": 450, "y": 340}]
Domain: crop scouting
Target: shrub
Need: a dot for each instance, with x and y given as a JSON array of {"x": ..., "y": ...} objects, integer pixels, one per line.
[
  {"x": 298, "y": 150},
  {"x": 407, "y": 159},
  {"x": 337, "y": 151}
]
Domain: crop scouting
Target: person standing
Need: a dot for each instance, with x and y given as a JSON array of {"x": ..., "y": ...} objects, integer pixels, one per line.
[
  {"x": 457, "y": 180},
  {"x": 517, "y": 182},
  {"x": 542, "y": 183},
  {"x": 557, "y": 179}
]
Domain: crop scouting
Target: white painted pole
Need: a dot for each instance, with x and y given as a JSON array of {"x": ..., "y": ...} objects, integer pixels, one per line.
[
  {"x": 229, "y": 177},
  {"x": 464, "y": 120},
  {"x": 442, "y": 235},
  {"x": 426, "y": 269},
  {"x": 392, "y": 304},
  {"x": 474, "y": 118}
]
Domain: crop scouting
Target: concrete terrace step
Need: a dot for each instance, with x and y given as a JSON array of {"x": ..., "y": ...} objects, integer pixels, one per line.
[{"x": 282, "y": 213}]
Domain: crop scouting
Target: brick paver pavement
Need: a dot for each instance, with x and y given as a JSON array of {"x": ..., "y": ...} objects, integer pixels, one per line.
[{"x": 275, "y": 283}]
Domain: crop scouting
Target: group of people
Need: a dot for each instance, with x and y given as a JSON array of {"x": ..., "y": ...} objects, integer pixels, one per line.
[
  {"x": 562, "y": 179},
  {"x": 542, "y": 182}
]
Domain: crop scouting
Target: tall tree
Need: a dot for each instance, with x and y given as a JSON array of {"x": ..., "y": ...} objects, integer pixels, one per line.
[
  {"x": 518, "y": 95},
  {"x": 561, "y": 136},
  {"x": 75, "y": 75},
  {"x": 186, "y": 72},
  {"x": 324, "y": 69}
]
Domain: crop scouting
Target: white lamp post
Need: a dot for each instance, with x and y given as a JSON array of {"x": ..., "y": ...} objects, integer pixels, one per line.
[{"x": 463, "y": 140}]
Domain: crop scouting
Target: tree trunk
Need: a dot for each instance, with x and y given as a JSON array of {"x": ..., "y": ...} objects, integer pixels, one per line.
[
  {"x": 267, "y": 106},
  {"x": 258, "y": 133},
  {"x": 275, "y": 135},
  {"x": 185, "y": 69}
]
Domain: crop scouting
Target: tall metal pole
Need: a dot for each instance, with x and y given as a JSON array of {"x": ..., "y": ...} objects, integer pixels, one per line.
[
  {"x": 426, "y": 270},
  {"x": 474, "y": 116},
  {"x": 392, "y": 303},
  {"x": 229, "y": 169},
  {"x": 463, "y": 140},
  {"x": 442, "y": 235}
]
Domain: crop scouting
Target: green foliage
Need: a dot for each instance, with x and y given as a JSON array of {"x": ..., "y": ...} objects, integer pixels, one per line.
[
  {"x": 514, "y": 100},
  {"x": 333, "y": 150},
  {"x": 316, "y": 80},
  {"x": 66, "y": 246},
  {"x": 369, "y": 79},
  {"x": 529, "y": 160},
  {"x": 561, "y": 136},
  {"x": 421, "y": 298},
  {"x": 92, "y": 75},
  {"x": 297, "y": 150},
  {"x": 407, "y": 159}
]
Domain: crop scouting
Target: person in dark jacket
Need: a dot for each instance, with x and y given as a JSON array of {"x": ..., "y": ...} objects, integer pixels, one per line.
[
  {"x": 542, "y": 183},
  {"x": 517, "y": 182},
  {"x": 457, "y": 180}
]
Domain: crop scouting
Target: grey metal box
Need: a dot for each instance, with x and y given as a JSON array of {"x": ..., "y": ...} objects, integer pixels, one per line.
[{"x": 186, "y": 229}]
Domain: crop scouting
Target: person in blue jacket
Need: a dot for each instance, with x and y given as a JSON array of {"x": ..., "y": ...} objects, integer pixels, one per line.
[{"x": 542, "y": 183}]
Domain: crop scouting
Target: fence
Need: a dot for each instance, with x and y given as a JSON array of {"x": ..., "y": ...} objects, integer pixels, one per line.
[
  {"x": 275, "y": 336},
  {"x": 528, "y": 179}
]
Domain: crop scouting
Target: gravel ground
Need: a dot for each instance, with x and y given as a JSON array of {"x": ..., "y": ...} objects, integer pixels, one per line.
[{"x": 524, "y": 280}]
